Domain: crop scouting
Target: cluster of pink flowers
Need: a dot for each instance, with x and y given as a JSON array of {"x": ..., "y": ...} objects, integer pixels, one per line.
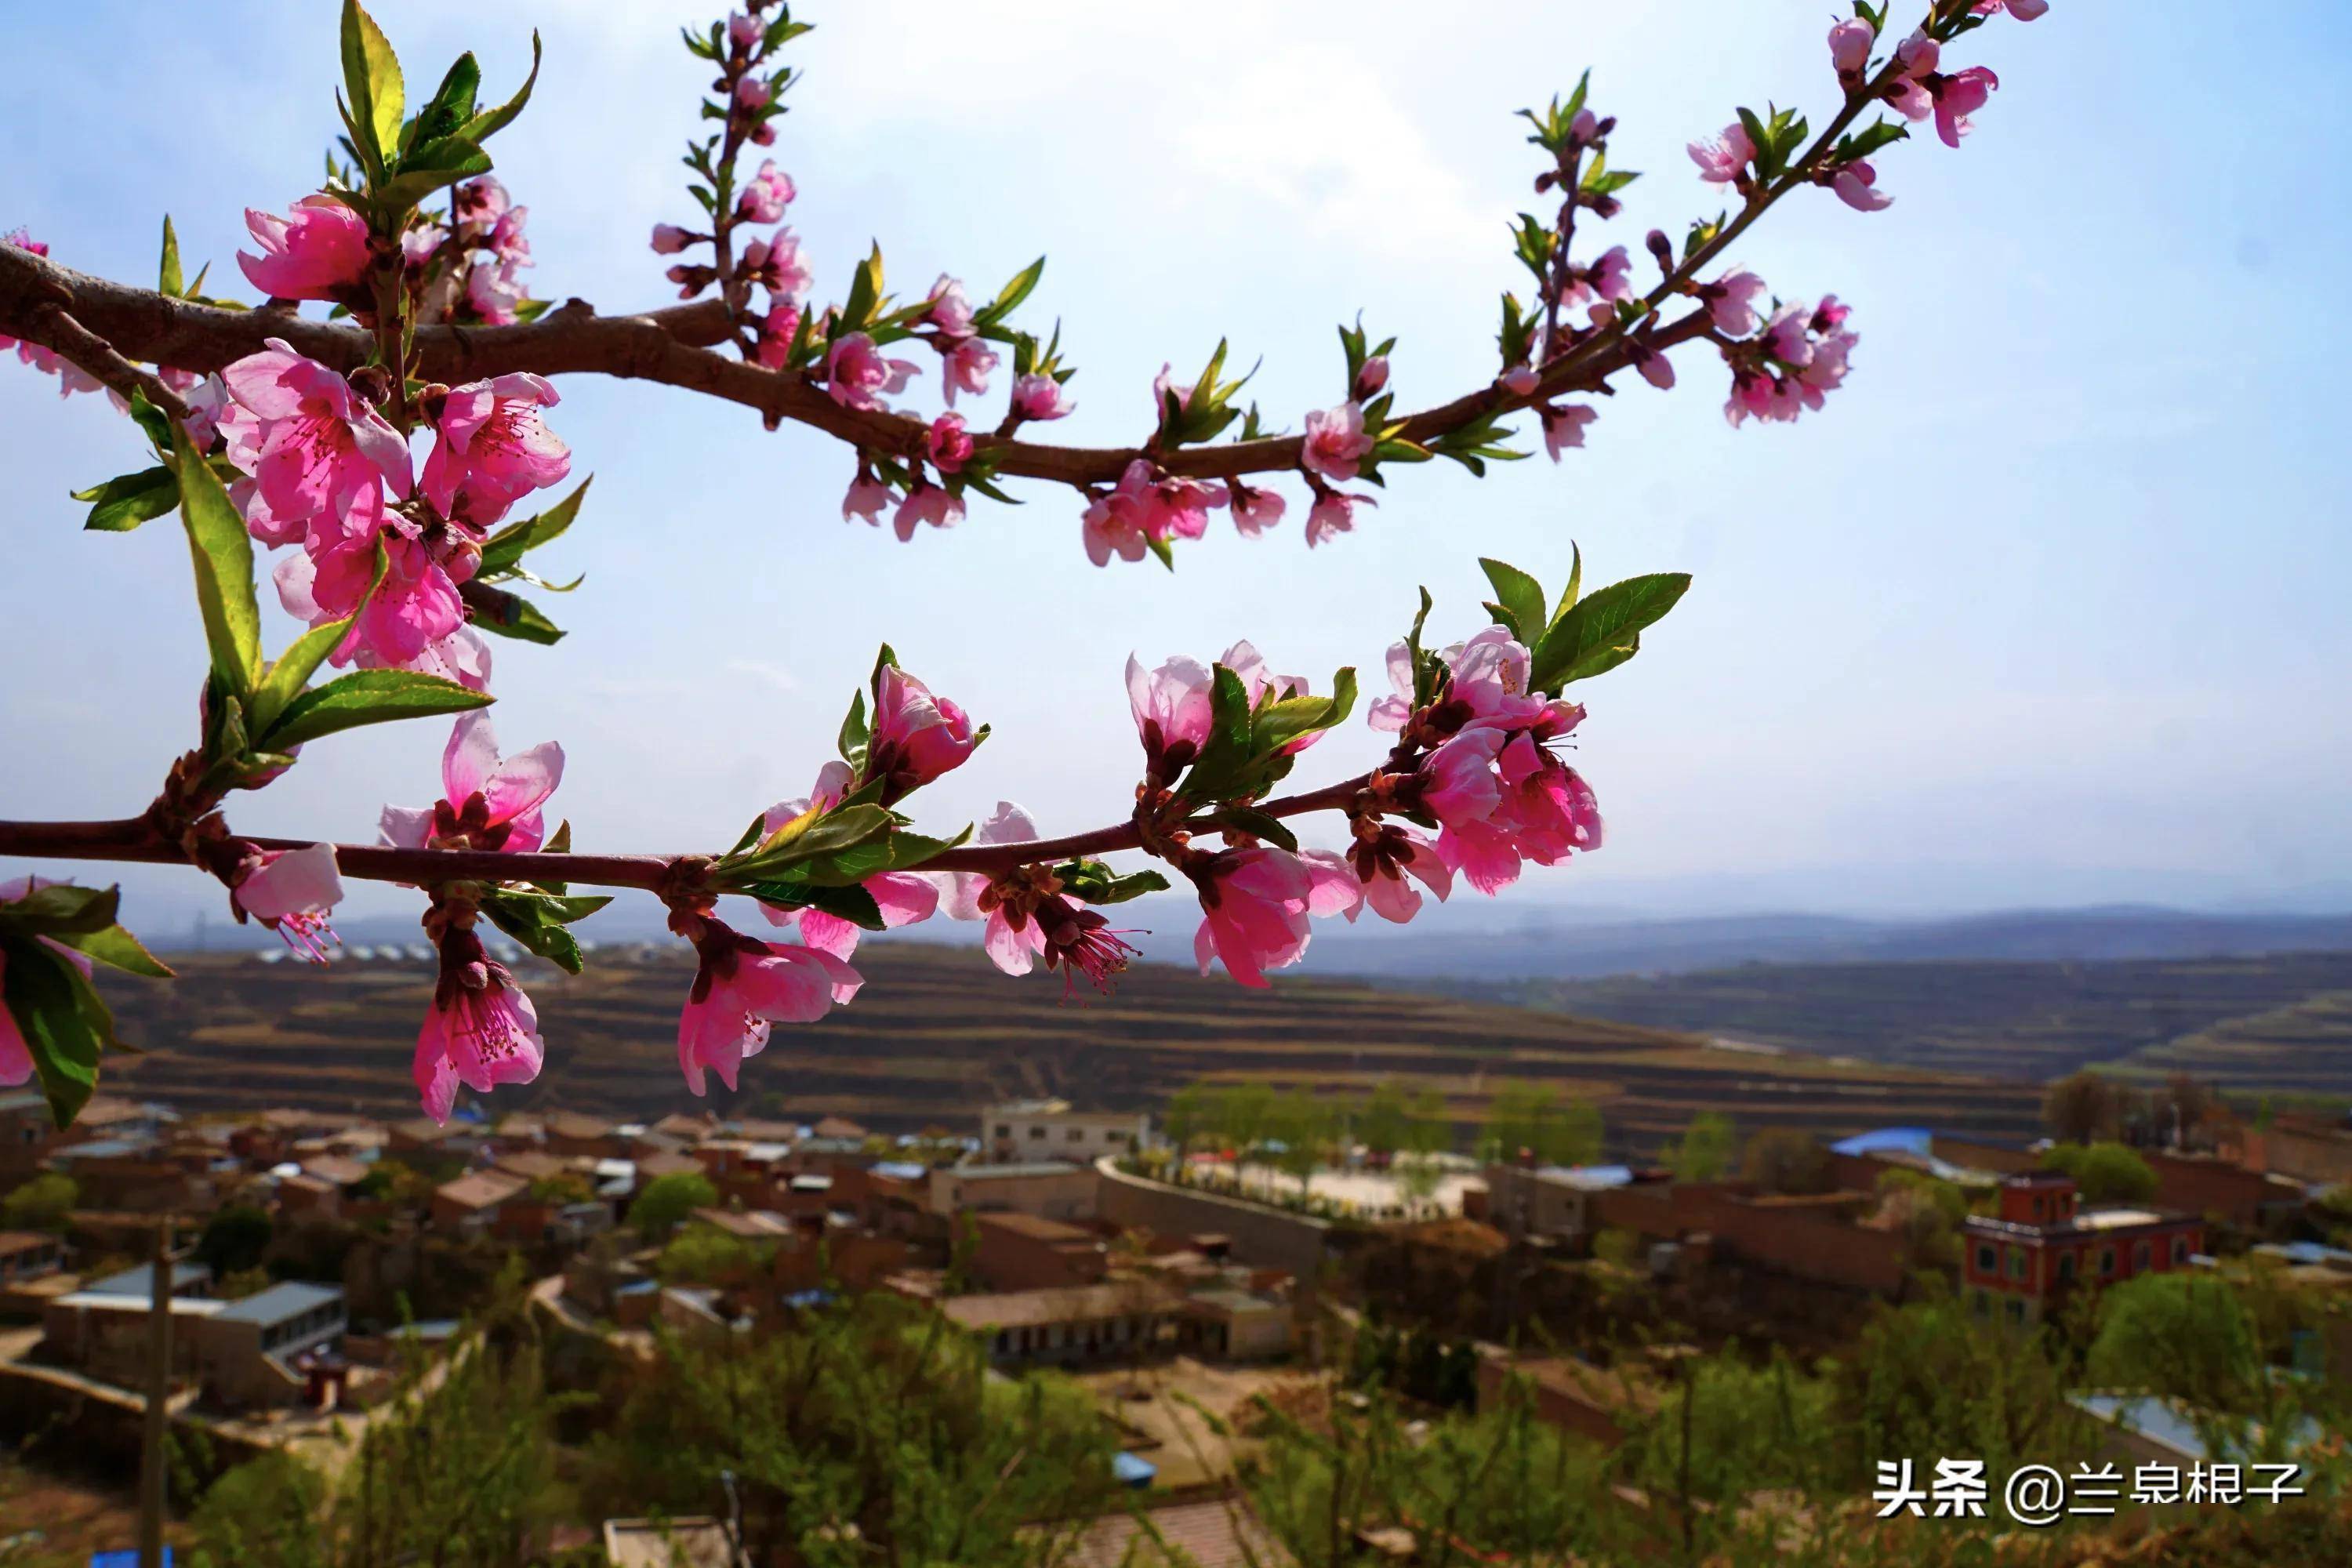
[
  {"x": 327, "y": 471},
  {"x": 1800, "y": 358},
  {"x": 965, "y": 359},
  {"x": 1149, "y": 505},
  {"x": 1918, "y": 90},
  {"x": 319, "y": 250},
  {"x": 489, "y": 231},
  {"x": 1027, "y": 917},
  {"x": 481, "y": 1030},
  {"x": 1499, "y": 792}
]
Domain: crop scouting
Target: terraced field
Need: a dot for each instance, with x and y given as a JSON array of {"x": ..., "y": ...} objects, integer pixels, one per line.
[
  {"x": 936, "y": 1034},
  {"x": 2276, "y": 1023}
]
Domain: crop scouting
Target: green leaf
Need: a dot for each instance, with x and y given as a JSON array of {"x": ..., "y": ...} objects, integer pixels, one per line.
[
  {"x": 367, "y": 696},
  {"x": 851, "y": 740},
  {"x": 1520, "y": 597},
  {"x": 372, "y": 82},
  {"x": 1009, "y": 298},
  {"x": 152, "y": 421},
  {"x": 850, "y": 903},
  {"x": 811, "y": 835},
  {"x": 509, "y": 614},
  {"x": 118, "y": 949},
  {"x": 864, "y": 293},
  {"x": 537, "y": 920},
  {"x": 167, "y": 270},
  {"x": 1258, "y": 824},
  {"x": 897, "y": 851},
  {"x": 481, "y": 126},
  {"x": 426, "y": 170},
  {"x": 125, "y": 501},
  {"x": 62, "y": 909},
  {"x": 1227, "y": 749},
  {"x": 1093, "y": 882},
  {"x": 451, "y": 106},
  {"x": 508, "y": 545},
  {"x": 1575, "y": 588},
  {"x": 1762, "y": 140},
  {"x": 1604, "y": 629},
  {"x": 222, "y": 553},
  {"x": 64, "y": 1026}
]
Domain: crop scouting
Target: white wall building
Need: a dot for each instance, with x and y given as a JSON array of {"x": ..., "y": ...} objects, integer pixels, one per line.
[{"x": 1029, "y": 1130}]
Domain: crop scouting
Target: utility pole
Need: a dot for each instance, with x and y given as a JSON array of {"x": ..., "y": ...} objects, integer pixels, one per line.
[{"x": 159, "y": 1398}]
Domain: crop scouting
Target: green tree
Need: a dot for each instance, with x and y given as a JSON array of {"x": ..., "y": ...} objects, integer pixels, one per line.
[
  {"x": 41, "y": 1203},
  {"x": 1244, "y": 1116},
  {"x": 1534, "y": 1118},
  {"x": 1384, "y": 1121},
  {"x": 706, "y": 1254},
  {"x": 1190, "y": 1116},
  {"x": 2104, "y": 1172},
  {"x": 2082, "y": 1107},
  {"x": 1703, "y": 1152},
  {"x": 234, "y": 1239},
  {"x": 666, "y": 1201},
  {"x": 2182, "y": 1335},
  {"x": 1304, "y": 1126}
]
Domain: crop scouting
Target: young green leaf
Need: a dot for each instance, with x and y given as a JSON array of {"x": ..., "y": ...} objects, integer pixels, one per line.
[
  {"x": 1258, "y": 824},
  {"x": 367, "y": 696},
  {"x": 372, "y": 80},
  {"x": 508, "y": 544},
  {"x": 64, "y": 1026},
  {"x": 508, "y": 615},
  {"x": 61, "y": 910},
  {"x": 450, "y": 107},
  {"x": 167, "y": 270},
  {"x": 125, "y": 501},
  {"x": 1519, "y": 596},
  {"x": 118, "y": 949},
  {"x": 1604, "y": 629},
  {"x": 222, "y": 553},
  {"x": 480, "y": 127}
]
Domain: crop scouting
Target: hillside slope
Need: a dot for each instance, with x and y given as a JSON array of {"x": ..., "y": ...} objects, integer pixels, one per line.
[{"x": 937, "y": 1034}]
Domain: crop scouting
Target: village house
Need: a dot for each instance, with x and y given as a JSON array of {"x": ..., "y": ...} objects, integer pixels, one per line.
[
  {"x": 1024, "y": 1130},
  {"x": 242, "y": 1352},
  {"x": 2042, "y": 1246},
  {"x": 1051, "y": 1189},
  {"x": 471, "y": 1204},
  {"x": 1027, "y": 1252},
  {"x": 28, "y": 1255},
  {"x": 569, "y": 1133},
  {"x": 1119, "y": 1319},
  {"x": 27, "y": 1131}
]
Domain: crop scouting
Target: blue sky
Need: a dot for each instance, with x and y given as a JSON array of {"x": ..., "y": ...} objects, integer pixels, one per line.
[{"x": 2046, "y": 607}]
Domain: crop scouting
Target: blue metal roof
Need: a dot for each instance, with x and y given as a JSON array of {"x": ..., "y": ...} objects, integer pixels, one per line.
[
  {"x": 2174, "y": 1425},
  {"x": 286, "y": 1298},
  {"x": 901, "y": 1170},
  {"x": 1131, "y": 1470},
  {"x": 1917, "y": 1141},
  {"x": 139, "y": 1280}
]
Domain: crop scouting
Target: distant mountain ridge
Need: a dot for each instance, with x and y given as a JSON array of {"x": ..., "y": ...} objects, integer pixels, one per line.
[{"x": 1507, "y": 943}]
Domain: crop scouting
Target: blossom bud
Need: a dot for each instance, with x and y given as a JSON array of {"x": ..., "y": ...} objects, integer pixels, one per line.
[
  {"x": 670, "y": 239},
  {"x": 1371, "y": 376}
]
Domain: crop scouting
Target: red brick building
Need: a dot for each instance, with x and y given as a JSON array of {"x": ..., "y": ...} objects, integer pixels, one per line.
[{"x": 2041, "y": 1246}]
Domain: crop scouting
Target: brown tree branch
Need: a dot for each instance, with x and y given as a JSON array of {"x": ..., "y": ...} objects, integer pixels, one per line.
[{"x": 135, "y": 840}]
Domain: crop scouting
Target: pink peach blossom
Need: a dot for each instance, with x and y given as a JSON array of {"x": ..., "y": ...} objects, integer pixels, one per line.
[
  {"x": 419, "y": 244},
  {"x": 1333, "y": 514},
  {"x": 947, "y": 443},
  {"x": 670, "y": 239},
  {"x": 480, "y": 1031},
  {"x": 1455, "y": 782},
  {"x": 1335, "y": 442},
  {"x": 476, "y": 205},
  {"x": 486, "y": 802},
  {"x": 1171, "y": 705},
  {"x": 1256, "y": 510},
  {"x": 1856, "y": 185},
  {"x": 1039, "y": 396},
  {"x": 744, "y": 29},
  {"x": 1563, "y": 426},
  {"x": 951, "y": 312},
  {"x": 1732, "y": 300},
  {"x": 1520, "y": 380},
  {"x": 752, "y": 93},
  {"x": 765, "y": 194},
  {"x": 926, "y": 503},
  {"x": 1655, "y": 368},
  {"x": 416, "y": 608},
  {"x": 742, "y": 987},
  {"x": 320, "y": 455},
  {"x": 865, "y": 498},
  {"x": 1255, "y": 908},
  {"x": 496, "y": 292},
  {"x": 1850, "y": 44},
  {"x": 1916, "y": 58},
  {"x": 1724, "y": 159},
  {"x": 777, "y": 331},
  {"x": 1957, "y": 98},
  {"x": 291, "y": 892},
  {"x": 778, "y": 265},
  {"x": 492, "y": 449},
  {"x": 916, "y": 736},
  {"x": 1371, "y": 376},
  {"x": 857, "y": 374},
  {"x": 319, "y": 250},
  {"x": 965, "y": 368}
]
